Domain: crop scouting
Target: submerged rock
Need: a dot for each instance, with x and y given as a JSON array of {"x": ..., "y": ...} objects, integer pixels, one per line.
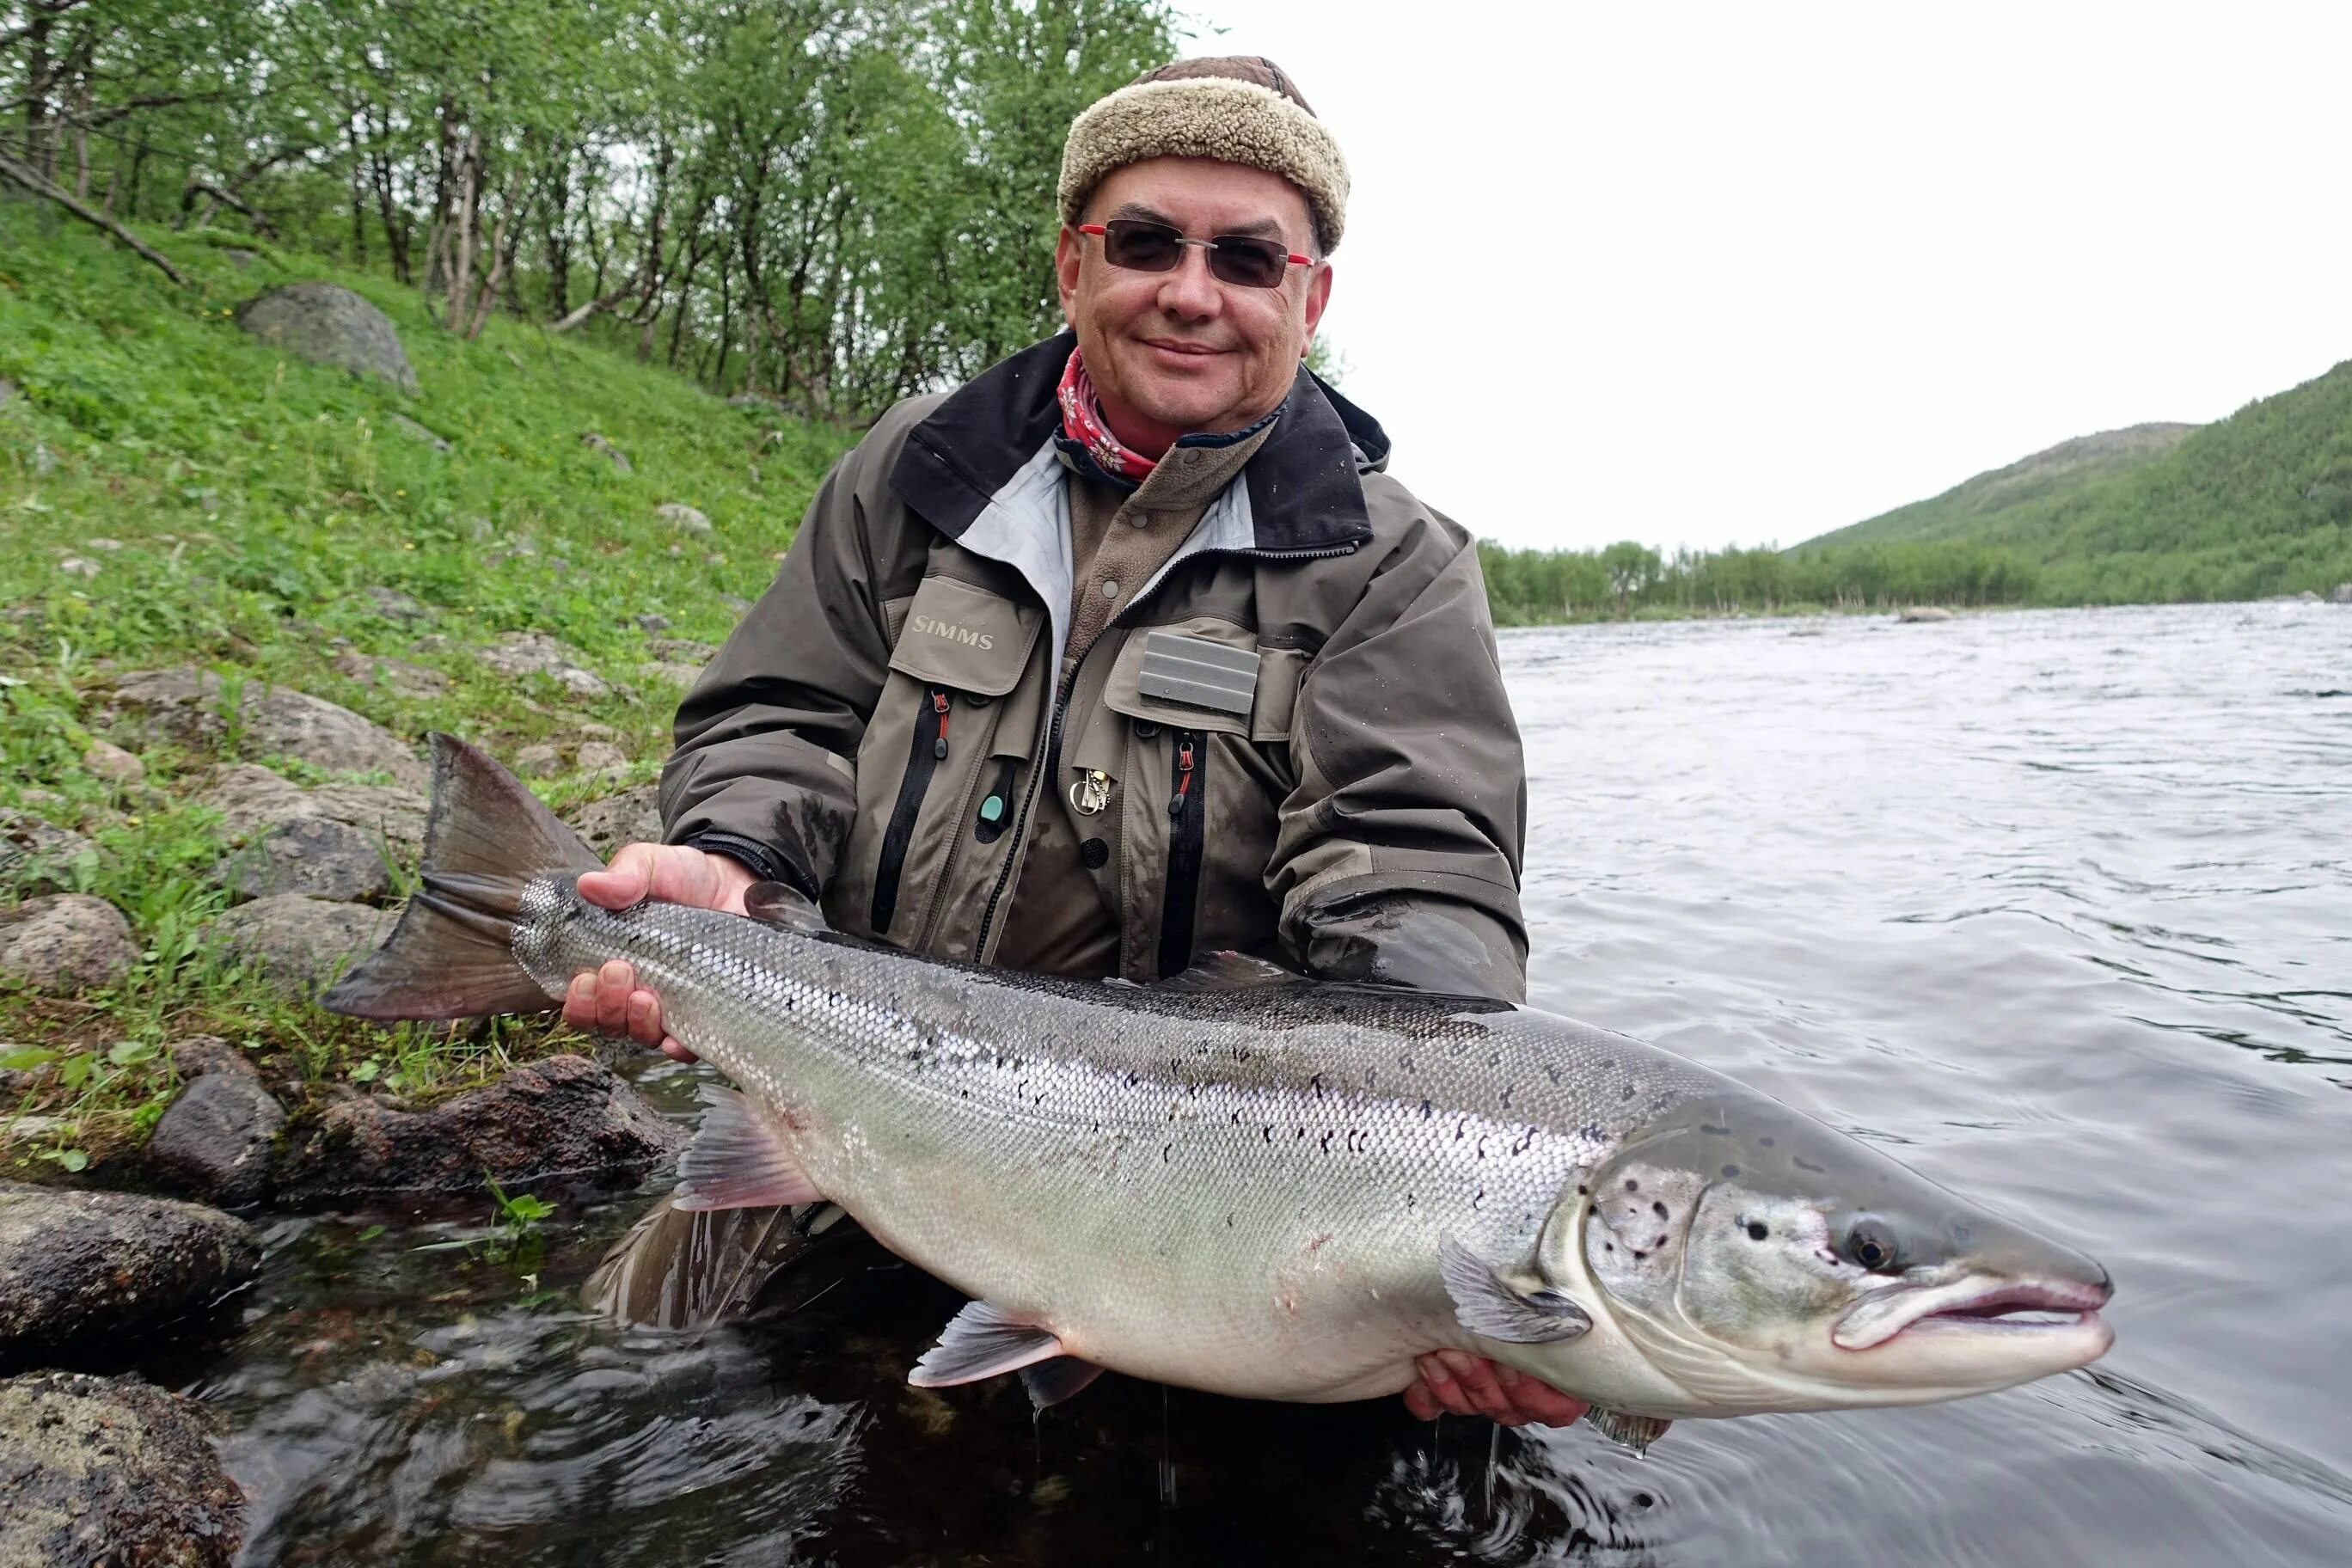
[
  {"x": 564, "y": 1119},
  {"x": 185, "y": 706},
  {"x": 299, "y": 943},
  {"x": 1915, "y": 615},
  {"x": 66, "y": 942},
  {"x": 112, "y": 1473},
  {"x": 328, "y": 324},
  {"x": 81, "y": 1269}
]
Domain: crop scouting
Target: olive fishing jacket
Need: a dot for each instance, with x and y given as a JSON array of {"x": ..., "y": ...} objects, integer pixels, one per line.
[{"x": 1291, "y": 739}]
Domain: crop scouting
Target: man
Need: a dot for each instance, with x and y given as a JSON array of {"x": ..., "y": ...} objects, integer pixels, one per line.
[{"x": 1128, "y": 649}]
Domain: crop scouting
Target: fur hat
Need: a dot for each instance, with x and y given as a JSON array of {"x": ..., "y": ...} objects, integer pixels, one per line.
[{"x": 1236, "y": 109}]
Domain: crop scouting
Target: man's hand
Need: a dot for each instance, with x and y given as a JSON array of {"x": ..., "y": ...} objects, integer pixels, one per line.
[
  {"x": 609, "y": 1000},
  {"x": 1461, "y": 1384}
]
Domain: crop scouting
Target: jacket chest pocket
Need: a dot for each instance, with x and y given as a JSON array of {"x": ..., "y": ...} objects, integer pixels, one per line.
[
  {"x": 1202, "y": 789},
  {"x": 960, "y": 650}
]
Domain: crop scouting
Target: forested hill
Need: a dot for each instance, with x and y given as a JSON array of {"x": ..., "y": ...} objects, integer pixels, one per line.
[
  {"x": 2259, "y": 503},
  {"x": 1974, "y": 503}
]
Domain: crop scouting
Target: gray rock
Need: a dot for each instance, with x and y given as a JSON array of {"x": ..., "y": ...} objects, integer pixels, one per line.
[
  {"x": 251, "y": 800},
  {"x": 36, "y": 857},
  {"x": 302, "y": 943},
  {"x": 106, "y": 760},
  {"x": 410, "y": 428},
  {"x": 594, "y": 730},
  {"x": 109, "y": 1472},
  {"x": 1916, "y": 615},
  {"x": 78, "y": 566},
  {"x": 765, "y": 402},
  {"x": 214, "y": 1142},
  {"x": 599, "y": 755},
  {"x": 185, "y": 705},
  {"x": 683, "y": 650},
  {"x": 596, "y": 443},
  {"x": 538, "y": 761},
  {"x": 679, "y": 675},
  {"x": 395, "y": 605},
  {"x": 564, "y": 1119},
  {"x": 7, "y": 392},
  {"x": 316, "y": 856},
  {"x": 2342, "y": 596},
  {"x": 736, "y": 603},
  {"x": 196, "y": 1055},
  {"x": 537, "y": 653},
  {"x": 631, "y": 816},
  {"x": 65, "y": 942},
  {"x": 682, "y": 517},
  {"x": 2306, "y": 597},
  {"x": 77, "y": 1269},
  {"x": 402, "y": 679},
  {"x": 651, "y": 623},
  {"x": 330, "y": 325}
]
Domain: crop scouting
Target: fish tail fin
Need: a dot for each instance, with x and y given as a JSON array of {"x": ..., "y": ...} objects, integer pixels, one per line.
[{"x": 452, "y": 954}]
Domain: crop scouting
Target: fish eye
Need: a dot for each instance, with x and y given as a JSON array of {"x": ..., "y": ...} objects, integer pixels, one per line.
[{"x": 1870, "y": 1243}]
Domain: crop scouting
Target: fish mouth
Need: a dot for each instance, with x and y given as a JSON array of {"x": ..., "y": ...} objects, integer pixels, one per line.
[{"x": 1975, "y": 1307}]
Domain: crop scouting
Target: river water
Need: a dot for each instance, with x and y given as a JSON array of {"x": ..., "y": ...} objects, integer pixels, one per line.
[{"x": 2056, "y": 905}]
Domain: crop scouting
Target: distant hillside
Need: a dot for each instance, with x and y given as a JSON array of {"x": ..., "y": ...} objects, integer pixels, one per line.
[
  {"x": 2259, "y": 503},
  {"x": 1972, "y": 504}
]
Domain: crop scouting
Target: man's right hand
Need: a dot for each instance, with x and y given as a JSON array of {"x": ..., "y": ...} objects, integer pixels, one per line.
[{"x": 609, "y": 1000}]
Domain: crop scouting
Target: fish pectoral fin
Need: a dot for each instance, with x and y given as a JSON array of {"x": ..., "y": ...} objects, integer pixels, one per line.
[
  {"x": 1629, "y": 1431},
  {"x": 738, "y": 1161},
  {"x": 1229, "y": 971},
  {"x": 1052, "y": 1382},
  {"x": 981, "y": 1342},
  {"x": 781, "y": 904},
  {"x": 1488, "y": 1305}
]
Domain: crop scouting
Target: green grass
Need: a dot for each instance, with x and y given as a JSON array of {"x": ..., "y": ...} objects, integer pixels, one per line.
[{"x": 236, "y": 504}]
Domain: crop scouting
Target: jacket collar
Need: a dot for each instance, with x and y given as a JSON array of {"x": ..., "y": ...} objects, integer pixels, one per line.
[{"x": 1306, "y": 495}]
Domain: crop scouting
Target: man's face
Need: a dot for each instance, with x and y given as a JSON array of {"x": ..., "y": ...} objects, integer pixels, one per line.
[{"x": 1181, "y": 353}]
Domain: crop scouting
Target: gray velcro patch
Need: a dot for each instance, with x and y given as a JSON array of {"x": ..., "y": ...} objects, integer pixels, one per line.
[{"x": 1199, "y": 672}]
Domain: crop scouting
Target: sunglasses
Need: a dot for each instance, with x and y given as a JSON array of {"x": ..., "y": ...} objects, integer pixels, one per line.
[{"x": 1141, "y": 247}]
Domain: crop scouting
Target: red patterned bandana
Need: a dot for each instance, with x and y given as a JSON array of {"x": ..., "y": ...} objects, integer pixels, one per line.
[{"x": 1083, "y": 422}]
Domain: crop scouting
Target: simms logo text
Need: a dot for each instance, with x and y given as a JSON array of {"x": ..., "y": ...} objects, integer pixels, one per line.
[{"x": 965, "y": 634}]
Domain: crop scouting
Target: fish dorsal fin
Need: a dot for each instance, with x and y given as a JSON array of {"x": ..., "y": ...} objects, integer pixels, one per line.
[
  {"x": 1230, "y": 972},
  {"x": 1634, "y": 1431},
  {"x": 738, "y": 1161},
  {"x": 1487, "y": 1305},
  {"x": 781, "y": 904},
  {"x": 981, "y": 1342},
  {"x": 1052, "y": 1382}
]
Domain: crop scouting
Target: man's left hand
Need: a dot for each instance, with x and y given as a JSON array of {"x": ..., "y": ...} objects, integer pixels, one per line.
[{"x": 1460, "y": 1383}]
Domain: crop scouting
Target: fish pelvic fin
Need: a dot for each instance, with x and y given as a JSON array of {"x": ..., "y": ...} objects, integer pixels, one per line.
[
  {"x": 452, "y": 954},
  {"x": 738, "y": 1161},
  {"x": 1052, "y": 1382},
  {"x": 1492, "y": 1306},
  {"x": 982, "y": 1342},
  {"x": 1627, "y": 1430}
]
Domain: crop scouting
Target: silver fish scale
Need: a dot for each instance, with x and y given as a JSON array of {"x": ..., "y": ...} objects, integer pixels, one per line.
[{"x": 1234, "y": 1190}]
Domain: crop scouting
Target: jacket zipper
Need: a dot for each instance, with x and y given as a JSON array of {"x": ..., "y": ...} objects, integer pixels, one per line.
[
  {"x": 1188, "y": 808},
  {"x": 923, "y": 757},
  {"x": 1052, "y": 763}
]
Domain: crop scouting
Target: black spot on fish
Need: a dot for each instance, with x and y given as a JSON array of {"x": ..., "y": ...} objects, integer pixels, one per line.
[
  {"x": 1425, "y": 1112},
  {"x": 1766, "y": 1142},
  {"x": 1326, "y": 1144},
  {"x": 1269, "y": 1132},
  {"x": 1758, "y": 1230},
  {"x": 1660, "y": 1242},
  {"x": 1731, "y": 1170},
  {"x": 1632, "y": 1185},
  {"x": 1608, "y": 1247},
  {"x": 1165, "y": 1150},
  {"x": 1553, "y": 1074},
  {"x": 1228, "y": 1222},
  {"x": 1582, "y": 1191},
  {"x": 1479, "y": 1199},
  {"x": 1640, "y": 1256},
  {"x": 1658, "y": 1209},
  {"x": 1507, "y": 1099},
  {"x": 1316, "y": 1083},
  {"x": 1628, "y": 1093}
]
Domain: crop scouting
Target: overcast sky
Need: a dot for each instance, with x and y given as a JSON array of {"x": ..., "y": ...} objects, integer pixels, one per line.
[{"x": 1740, "y": 273}]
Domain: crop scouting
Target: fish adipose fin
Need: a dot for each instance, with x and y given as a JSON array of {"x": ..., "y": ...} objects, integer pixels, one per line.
[
  {"x": 738, "y": 1161},
  {"x": 1487, "y": 1305},
  {"x": 1052, "y": 1382},
  {"x": 1634, "y": 1431},
  {"x": 452, "y": 954},
  {"x": 982, "y": 1342}
]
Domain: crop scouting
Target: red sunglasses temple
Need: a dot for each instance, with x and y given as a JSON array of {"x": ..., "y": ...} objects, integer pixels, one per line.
[{"x": 1099, "y": 232}]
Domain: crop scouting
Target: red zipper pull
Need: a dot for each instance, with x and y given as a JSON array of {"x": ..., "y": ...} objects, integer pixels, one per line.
[
  {"x": 1183, "y": 777},
  {"x": 939, "y": 742}
]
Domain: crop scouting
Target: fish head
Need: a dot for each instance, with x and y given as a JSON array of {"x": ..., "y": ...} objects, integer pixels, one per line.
[{"x": 1762, "y": 1260}]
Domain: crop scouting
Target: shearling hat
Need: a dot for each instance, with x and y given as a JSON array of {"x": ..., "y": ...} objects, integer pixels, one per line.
[{"x": 1236, "y": 109}]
